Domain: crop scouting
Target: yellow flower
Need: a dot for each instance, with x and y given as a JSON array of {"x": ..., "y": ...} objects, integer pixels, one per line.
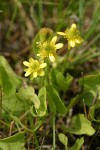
[
  {"x": 35, "y": 68},
  {"x": 48, "y": 49},
  {"x": 73, "y": 36}
]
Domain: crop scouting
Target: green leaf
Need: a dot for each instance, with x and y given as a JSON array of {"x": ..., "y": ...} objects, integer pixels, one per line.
[
  {"x": 43, "y": 106},
  {"x": 12, "y": 105},
  {"x": 59, "y": 81},
  {"x": 64, "y": 140},
  {"x": 28, "y": 95},
  {"x": 87, "y": 97},
  {"x": 8, "y": 79},
  {"x": 15, "y": 142},
  {"x": 52, "y": 105},
  {"x": 78, "y": 144},
  {"x": 95, "y": 112},
  {"x": 63, "y": 82},
  {"x": 9, "y": 82},
  {"x": 21, "y": 101},
  {"x": 91, "y": 84},
  {"x": 60, "y": 107},
  {"x": 80, "y": 125}
]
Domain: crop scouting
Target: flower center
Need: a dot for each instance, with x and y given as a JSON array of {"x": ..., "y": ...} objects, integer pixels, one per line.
[
  {"x": 48, "y": 47},
  {"x": 34, "y": 66},
  {"x": 72, "y": 33}
]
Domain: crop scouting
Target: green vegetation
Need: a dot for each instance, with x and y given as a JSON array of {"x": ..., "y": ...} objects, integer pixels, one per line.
[{"x": 49, "y": 75}]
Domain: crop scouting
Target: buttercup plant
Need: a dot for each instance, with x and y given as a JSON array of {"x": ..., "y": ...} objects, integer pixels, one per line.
[
  {"x": 47, "y": 49},
  {"x": 47, "y": 53},
  {"x": 30, "y": 110},
  {"x": 49, "y": 75}
]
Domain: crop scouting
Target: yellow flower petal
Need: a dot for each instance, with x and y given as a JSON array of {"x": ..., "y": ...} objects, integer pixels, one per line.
[
  {"x": 38, "y": 54},
  {"x": 52, "y": 58},
  {"x": 26, "y": 63},
  {"x": 31, "y": 60},
  {"x": 59, "y": 45},
  {"x": 78, "y": 41},
  {"x": 54, "y": 39},
  {"x": 42, "y": 73},
  {"x": 28, "y": 72},
  {"x": 61, "y": 33},
  {"x": 43, "y": 65},
  {"x": 73, "y": 25},
  {"x": 34, "y": 74},
  {"x": 72, "y": 43}
]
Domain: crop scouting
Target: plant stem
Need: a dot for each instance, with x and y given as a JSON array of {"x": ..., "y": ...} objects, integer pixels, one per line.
[
  {"x": 34, "y": 133},
  {"x": 54, "y": 145},
  {"x": 0, "y": 102},
  {"x": 47, "y": 70},
  {"x": 65, "y": 62}
]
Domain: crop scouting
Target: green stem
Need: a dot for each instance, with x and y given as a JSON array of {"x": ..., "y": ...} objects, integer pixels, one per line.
[
  {"x": 34, "y": 133},
  {"x": 11, "y": 23},
  {"x": 81, "y": 14},
  {"x": 47, "y": 70},
  {"x": 54, "y": 145},
  {"x": 0, "y": 102},
  {"x": 65, "y": 61}
]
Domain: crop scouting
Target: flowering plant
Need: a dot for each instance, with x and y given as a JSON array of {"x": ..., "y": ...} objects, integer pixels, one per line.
[
  {"x": 72, "y": 35},
  {"x": 47, "y": 70}
]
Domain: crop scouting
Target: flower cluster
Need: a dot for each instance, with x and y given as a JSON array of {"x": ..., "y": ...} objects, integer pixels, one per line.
[{"x": 47, "y": 49}]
